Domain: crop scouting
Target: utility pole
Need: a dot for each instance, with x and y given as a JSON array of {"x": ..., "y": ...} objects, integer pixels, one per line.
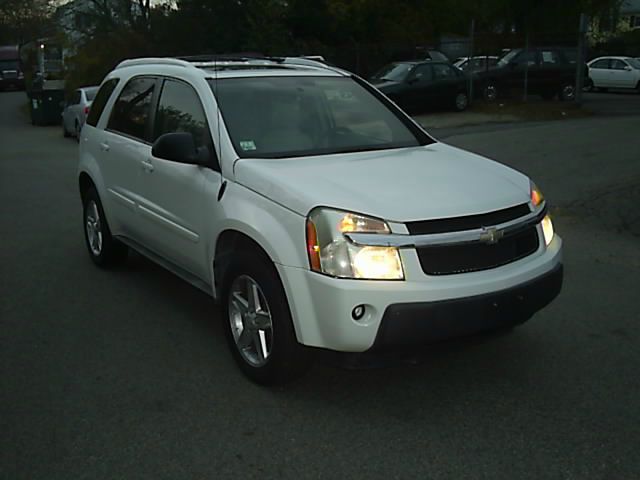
[
  {"x": 472, "y": 33},
  {"x": 582, "y": 37},
  {"x": 526, "y": 66}
]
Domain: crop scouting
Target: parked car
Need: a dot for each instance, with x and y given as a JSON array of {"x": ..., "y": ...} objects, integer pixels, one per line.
[
  {"x": 11, "y": 74},
  {"x": 615, "y": 72},
  {"x": 418, "y": 86},
  {"x": 476, "y": 64},
  {"x": 76, "y": 110},
  {"x": 548, "y": 71},
  {"x": 317, "y": 213}
]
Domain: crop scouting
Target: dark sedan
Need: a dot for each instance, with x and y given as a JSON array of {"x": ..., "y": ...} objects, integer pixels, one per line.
[{"x": 419, "y": 86}]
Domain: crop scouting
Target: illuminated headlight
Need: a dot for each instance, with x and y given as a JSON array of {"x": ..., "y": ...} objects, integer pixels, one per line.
[
  {"x": 331, "y": 253},
  {"x": 547, "y": 230}
]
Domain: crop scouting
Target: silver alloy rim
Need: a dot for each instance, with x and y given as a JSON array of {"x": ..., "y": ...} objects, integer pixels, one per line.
[
  {"x": 250, "y": 320},
  {"x": 491, "y": 93},
  {"x": 461, "y": 101},
  {"x": 94, "y": 228},
  {"x": 568, "y": 92}
]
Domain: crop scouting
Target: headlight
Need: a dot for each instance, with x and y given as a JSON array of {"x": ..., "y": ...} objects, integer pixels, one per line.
[
  {"x": 332, "y": 254},
  {"x": 536, "y": 195},
  {"x": 547, "y": 230}
]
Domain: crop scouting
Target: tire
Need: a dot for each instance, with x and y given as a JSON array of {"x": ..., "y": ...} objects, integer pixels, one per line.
[
  {"x": 567, "y": 92},
  {"x": 588, "y": 86},
  {"x": 461, "y": 102},
  {"x": 490, "y": 92},
  {"x": 285, "y": 358},
  {"x": 104, "y": 250}
]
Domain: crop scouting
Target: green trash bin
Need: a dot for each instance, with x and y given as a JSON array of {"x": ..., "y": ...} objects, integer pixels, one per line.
[{"x": 46, "y": 106}]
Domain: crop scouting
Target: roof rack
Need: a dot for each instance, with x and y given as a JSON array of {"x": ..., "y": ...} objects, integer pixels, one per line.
[{"x": 214, "y": 61}]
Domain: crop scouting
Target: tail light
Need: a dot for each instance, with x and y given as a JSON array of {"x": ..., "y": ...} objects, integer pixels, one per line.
[{"x": 86, "y": 110}]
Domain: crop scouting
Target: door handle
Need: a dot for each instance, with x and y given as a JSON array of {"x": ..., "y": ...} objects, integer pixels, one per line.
[
  {"x": 147, "y": 165},
  {"x": 104, "y": 147}
]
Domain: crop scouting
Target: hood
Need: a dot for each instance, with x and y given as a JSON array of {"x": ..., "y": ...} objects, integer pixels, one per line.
[
  {"x": 382, "y": 84},
  {"x": 401, "y": 185}
]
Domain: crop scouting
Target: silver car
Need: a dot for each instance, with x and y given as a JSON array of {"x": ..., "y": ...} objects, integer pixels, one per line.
[{"x": 76, "y": 109}]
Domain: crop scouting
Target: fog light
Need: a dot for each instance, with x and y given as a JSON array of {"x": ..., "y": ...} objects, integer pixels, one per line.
[
  {"x": 547, "y": 230},
  {"x": 358, "y": 312}
]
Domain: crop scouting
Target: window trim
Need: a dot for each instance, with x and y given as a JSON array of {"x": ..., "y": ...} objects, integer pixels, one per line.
[
  {"x": 152, "y": 110},
  {"x": 106, "y": 104}
]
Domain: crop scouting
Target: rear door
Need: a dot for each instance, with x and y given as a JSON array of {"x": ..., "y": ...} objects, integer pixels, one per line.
[
  {"x": 446, "y": 84},
  {"x": 599, "y": 73},
  {"x": 419, "y": 93},
  {"x": 174, "y": 203},
  {"x": 126, "y": 143}
]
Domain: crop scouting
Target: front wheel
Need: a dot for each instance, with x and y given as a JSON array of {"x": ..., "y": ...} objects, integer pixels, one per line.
[
  {"x": 104, "y": 250},
  {"x": 568, "y": 93},
  {"x": 257, "y": 322},
  {"x": 461, "y": 101}
]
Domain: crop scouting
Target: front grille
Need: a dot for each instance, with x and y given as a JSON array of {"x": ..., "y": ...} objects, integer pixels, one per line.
[{"x": 447, "y": 260}]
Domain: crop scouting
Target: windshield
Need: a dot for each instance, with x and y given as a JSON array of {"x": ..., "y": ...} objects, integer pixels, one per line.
[
  {"x": 396, "y": 72},
  {"x": 278, "y": 117},
  {"x": 9, "y": 65},
  {"x": 91, "y": 93},
  {"x": 634, "y": 62}
]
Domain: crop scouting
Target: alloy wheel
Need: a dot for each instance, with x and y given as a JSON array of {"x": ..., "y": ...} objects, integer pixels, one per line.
[
  {"x": 94, "y": 228},
  {"x": 250, "y": 320},
  {"x": 462, "y": 101},
  {"x": 568, "y": 92}
]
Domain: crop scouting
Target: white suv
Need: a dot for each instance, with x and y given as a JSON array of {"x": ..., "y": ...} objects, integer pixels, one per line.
[{"x": 315, "y": 211}]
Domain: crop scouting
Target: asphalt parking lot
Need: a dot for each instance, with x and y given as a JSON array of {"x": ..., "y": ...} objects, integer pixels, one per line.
[{"x": 125, "y": 374}]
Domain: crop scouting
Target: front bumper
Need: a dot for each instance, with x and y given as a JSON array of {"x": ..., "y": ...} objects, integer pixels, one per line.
[
  {"x": 321, "y": 306},
  {"x": 410, "y": 324}
]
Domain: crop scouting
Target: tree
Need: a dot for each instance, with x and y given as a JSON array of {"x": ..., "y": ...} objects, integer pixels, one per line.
[{"x": 24, "y": 20}]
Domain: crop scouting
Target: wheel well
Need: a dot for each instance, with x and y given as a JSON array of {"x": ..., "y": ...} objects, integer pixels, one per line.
[
  {"x": 85, "y": 183},
  {"x": 231, "y": 241}
]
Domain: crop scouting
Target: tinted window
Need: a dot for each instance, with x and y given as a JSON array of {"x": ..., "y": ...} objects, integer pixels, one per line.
[
  {"x": 422, "y": 73},
  {"x": 130, "y": 114},
  {"x": 275, "y": 117},
  {"x": 101, "y": 100},
  {"x": 180, "y": 110},
  {"x": 549, "y": 57},
  {"x": 618, "y": 65},
  {"x": 443, "y": 72},
  {"x": 604, "y": 63}
]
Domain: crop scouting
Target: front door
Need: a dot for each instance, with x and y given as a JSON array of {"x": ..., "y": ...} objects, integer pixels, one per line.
[
  {"x": 178, "y": 198},
  {"x": 418, "y": 95}
]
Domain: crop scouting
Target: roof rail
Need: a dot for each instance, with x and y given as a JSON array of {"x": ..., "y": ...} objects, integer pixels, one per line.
[{"x": 153, "y": 61}]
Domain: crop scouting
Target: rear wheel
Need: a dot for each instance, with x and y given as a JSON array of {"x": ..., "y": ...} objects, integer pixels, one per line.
[
  {"x": 104, "y": 250},
  {"x": 257, "y": 322},
  {"x": 461, "y": 101}
]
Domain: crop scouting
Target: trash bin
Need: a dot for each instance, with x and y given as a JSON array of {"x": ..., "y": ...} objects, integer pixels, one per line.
[{"x": 46, "y": 105}]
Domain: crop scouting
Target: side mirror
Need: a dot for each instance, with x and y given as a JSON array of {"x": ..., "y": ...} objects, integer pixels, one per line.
[
  {"x": 180, "y": 147},
  {"x": 627, "y": 68}
]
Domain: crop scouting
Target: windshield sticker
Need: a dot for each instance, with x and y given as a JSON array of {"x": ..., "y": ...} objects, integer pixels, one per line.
[{"x": 247, "y": 145}]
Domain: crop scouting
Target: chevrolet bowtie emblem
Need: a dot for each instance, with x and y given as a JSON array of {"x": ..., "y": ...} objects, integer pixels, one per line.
[{"x": 491, "y": 235}]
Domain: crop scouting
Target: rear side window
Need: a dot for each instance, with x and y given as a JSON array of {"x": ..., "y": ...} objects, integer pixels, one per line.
[
  {"x": 604, "y": 63},
  {"x": 180, "y": 110},
  {"x": 101, "y": 100},
  {"x": 130, "y": 114}
]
